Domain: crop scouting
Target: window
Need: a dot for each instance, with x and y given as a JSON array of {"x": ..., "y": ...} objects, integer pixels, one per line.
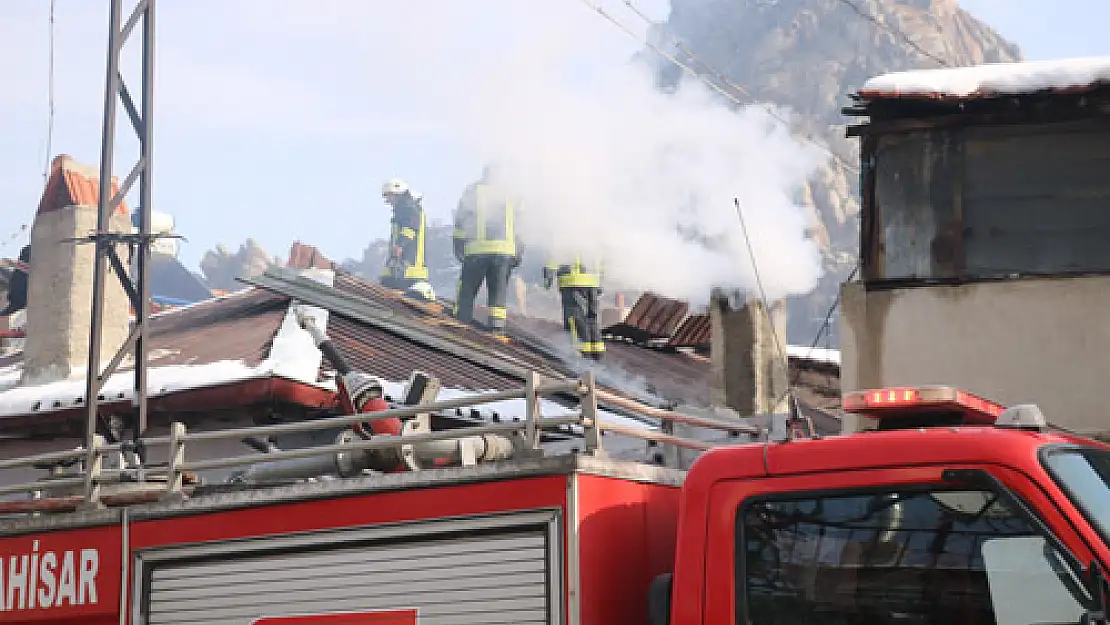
[
  {"x": 1084, "y": 474},
  {"x": 914, "y": 557},
  {"x": 993, "y": 201}
]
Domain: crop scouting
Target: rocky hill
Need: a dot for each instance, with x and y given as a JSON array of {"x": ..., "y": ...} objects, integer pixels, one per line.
[
  {"x": 809, "y": 55},
  {"x": 221, "y": 267}
]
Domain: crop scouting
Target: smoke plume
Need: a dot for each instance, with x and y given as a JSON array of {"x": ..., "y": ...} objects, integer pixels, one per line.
[{"x": 643, "y": 179}]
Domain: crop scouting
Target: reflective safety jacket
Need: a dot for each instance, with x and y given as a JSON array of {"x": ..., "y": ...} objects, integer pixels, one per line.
[
  {"x": 407, "y": 229},
  {"x": 577, "y": 273},
  {"x": 485, "y": 223}
]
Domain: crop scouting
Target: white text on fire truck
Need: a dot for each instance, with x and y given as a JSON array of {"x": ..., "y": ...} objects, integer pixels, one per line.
[{"x": 49, "y": 579}]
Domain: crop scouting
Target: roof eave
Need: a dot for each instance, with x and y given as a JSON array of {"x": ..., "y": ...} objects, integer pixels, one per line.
[{"x": 240, "y": 394}]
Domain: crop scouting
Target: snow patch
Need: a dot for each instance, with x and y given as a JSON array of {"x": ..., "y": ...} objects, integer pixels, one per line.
[
  {"x": 814, "y": 354},
  {"x": 293, "y": 353},
  {"x": 22, "y": 400},
  {"x": 1000, "y": 78}
]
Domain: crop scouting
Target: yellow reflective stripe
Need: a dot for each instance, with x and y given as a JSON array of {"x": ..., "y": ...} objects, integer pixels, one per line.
[
  {"x": 578, "y": 280},
  {"x": 385, "y": 271},
  {"x": 592, "y": 348},
  {"x": 573, "y": 332},
  {"x": 459, "y": 233},
  {"x": 458, "y": 292},
  {"x": 508, "y": 248},
  {"x": 416, "y": 273},
  {"x": 420, "y": 250},
  {"x": 498, "y": 312},
  {"x": 408, "y": 232}
]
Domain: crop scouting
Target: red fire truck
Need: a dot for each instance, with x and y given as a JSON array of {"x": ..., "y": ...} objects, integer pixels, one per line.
[{"x": 947, "y": 508}]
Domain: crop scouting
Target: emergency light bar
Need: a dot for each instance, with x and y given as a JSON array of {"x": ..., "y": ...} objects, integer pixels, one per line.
[{"x": 922, "y": 406}]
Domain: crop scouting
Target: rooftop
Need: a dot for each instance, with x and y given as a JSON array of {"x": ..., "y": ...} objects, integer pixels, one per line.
[
  {"x": 992, "y": 80},
  {"x": 244, "y": 351}
]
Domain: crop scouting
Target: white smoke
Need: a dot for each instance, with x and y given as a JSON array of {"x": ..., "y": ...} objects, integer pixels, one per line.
[{"x": 615, "y": 167}]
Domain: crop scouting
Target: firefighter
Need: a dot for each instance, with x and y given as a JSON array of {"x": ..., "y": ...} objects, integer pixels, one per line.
[
  {"x": 404, "y": 265},
  {"x": 580, "y": 290},
  {"x": 486, "y": 244}
]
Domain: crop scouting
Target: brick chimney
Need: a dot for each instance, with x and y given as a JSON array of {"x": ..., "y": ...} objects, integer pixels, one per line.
[
  {"x": 748, "y": 373},
  {"x": 59, "y": 292}
]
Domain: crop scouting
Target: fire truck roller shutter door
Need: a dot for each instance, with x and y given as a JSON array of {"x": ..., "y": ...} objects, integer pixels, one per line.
[{"x": 500, "y": 577}]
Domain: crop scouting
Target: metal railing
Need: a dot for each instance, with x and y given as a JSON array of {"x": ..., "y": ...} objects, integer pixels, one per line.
[{"x": 85, "y": 484}]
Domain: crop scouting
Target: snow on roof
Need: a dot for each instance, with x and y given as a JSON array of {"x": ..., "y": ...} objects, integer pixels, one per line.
[
  {"x": 992, "y": 79},
  {"x": 815, "y": 354},
  {"x": 22, "y": 400},
  {"x": 293, "y": 355}
]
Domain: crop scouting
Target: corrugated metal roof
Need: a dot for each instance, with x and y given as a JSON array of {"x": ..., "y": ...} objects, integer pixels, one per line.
[
  {"x": 74, "y": 184},
  {"x": 388, "y": 355},
  {"x": 394, "y": 358},
  {"x": 668, "y": 374},
  {"x": 652, "y": 317},
  {"x": 236, "y": 327},
  {"x": 694, "y": 332}
]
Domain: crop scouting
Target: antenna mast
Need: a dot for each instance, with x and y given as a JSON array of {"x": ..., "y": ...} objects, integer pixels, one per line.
[{"x": 105, "y": 241}]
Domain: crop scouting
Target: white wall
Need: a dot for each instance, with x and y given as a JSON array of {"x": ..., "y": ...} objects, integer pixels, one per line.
[{"x": 1043, "y": 341}]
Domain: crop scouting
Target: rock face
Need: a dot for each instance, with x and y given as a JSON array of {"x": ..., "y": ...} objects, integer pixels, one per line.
[
  {"x": 809, "y": 55},
  {"x": 221, "y": 267}
]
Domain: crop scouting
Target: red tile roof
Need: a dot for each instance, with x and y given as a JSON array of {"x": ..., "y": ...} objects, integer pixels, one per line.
[
  {"x": 694, "y": 332},
  {"x": 303, "y": 256},
  {"x": 74, "y": 184},
  {"x": 652, "y": 317}
]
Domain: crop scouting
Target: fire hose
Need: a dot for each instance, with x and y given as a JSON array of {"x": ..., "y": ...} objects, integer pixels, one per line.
[{"x": 359, "y": 393}]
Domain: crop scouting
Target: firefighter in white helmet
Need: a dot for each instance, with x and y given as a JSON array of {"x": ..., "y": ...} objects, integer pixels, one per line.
[{"x": 404, "y": 265}]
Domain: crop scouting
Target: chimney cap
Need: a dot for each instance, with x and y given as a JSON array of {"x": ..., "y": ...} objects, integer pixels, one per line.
[{"x": 72, "y": 183}]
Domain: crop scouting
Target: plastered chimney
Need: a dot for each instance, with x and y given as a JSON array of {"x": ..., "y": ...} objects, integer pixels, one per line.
[
  {"x": 748, "y": 373},
  {"x": 59, "y": 292}
]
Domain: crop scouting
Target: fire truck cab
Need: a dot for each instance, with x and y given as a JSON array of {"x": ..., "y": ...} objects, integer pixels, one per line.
[{"x": 943, "y": 508}]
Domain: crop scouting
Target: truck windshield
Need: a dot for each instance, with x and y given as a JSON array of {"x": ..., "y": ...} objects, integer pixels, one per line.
[
  {"x": 1084, "y": 475},
  {"x": 900, "y": 557}
]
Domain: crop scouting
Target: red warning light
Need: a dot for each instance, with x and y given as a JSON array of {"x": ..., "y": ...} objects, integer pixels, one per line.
[{"x": 903, "y": 401}]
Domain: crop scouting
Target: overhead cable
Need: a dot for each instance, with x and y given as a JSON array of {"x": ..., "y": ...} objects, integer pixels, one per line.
[
  {"x": 894, "y": 31},
  {"x": 712, "y": 84}
]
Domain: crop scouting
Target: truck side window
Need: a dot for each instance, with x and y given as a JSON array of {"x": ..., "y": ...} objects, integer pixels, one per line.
[{"x": 919, "y": 557}]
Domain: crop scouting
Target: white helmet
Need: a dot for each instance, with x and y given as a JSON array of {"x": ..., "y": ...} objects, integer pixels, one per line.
[
  {"x": 422, "y": 290},
  {"x": 395, "y": 186}
]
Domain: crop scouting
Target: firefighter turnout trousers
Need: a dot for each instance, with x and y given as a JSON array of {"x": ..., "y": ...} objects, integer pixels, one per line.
[
  {"x": 581, "y": 309},
  {"x": 494, "y": 271}
]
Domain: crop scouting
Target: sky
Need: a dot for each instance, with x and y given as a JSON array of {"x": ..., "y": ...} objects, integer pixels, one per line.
[{"x": 280, "y": 119}]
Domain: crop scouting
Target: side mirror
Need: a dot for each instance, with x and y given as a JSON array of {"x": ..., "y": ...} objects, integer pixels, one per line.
[{"x": 659, "y": 600}]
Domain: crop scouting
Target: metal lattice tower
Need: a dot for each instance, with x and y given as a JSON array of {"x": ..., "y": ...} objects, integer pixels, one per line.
[{"x": 137, "y": 289}]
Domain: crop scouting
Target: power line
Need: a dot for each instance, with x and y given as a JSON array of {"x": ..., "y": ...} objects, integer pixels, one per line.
[
  {"x": 49, "y": 98},
  {"x": 763, "y": 297},
  {"x": 701, "y": 77},
  {"x": 896, "y": 32},
  {"x": 49, "y": 117}
]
